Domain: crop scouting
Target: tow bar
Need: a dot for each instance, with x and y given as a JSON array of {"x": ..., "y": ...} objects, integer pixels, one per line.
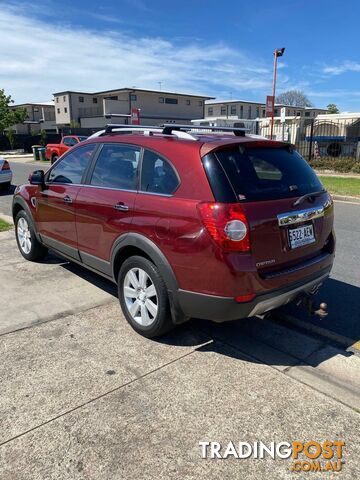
[{"x": 307, "y": 302}]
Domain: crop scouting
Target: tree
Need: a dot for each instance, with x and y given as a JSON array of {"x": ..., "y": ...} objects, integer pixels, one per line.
[
  {"x": 9, "y": 116},
  {"x": 10, "y": 133},
  {"x": 43, "y": 137},
  {"x": 332, "y": 108},
  {"x": 294, "y": 98}
]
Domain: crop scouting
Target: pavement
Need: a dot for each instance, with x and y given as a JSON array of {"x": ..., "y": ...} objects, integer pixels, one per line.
[{"x": 82, "y": 396}]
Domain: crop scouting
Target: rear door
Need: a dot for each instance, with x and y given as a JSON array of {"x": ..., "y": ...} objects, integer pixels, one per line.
[
  {"x": 55, "y": 203},
  {"x": 104, "y": 206},
  {"x": 270, "y": 183}
]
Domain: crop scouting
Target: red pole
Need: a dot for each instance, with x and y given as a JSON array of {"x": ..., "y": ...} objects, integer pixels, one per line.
[{"x": 273, "y": 94}]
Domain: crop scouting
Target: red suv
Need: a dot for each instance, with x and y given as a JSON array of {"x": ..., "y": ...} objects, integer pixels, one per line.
[{"x": 219, "y": 226}]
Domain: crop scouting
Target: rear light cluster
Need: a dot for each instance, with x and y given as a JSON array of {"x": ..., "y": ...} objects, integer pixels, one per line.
[
  {"x": 6, "y": 165},
  {"x": 227, "y": 225}
]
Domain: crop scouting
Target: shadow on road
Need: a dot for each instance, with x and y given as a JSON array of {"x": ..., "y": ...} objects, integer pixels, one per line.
[
  {"x": 255, "y": 339},
  {"x": 8, "y": 191}
]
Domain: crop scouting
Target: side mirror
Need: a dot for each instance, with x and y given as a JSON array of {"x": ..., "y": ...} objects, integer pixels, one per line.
[{"x": 37, "y": 177}]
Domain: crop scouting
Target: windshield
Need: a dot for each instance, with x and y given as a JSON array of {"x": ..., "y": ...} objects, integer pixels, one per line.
[{"x": 268, "y": 173}]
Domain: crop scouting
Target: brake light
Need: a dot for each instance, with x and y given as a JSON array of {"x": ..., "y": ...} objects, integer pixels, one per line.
[
  {"x": 245, "y": 298},
  {"x": 6, "y": 165},
  {"x": 227, "y": 224}
]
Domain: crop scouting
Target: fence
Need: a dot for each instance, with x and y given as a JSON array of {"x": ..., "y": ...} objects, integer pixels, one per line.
[
  {"x": 24, "y": 141},
  {"x": 316, "y": 138}
]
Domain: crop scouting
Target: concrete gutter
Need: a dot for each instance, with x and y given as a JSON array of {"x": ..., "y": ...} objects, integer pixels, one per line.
[
  {"x": 346, "y": 198},
  {"x": 6, "y": 218}
]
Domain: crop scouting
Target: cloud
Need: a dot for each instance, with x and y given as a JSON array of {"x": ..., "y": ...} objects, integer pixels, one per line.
[
  {"x": 40, "y": 57},
  {"x": 347, "y": 66}
]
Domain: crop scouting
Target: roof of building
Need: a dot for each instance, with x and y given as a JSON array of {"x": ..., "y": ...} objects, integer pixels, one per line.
[
  {"x": 35, "y": 104},
  {"x": 134, "y": 89},
  {"x": 262, "y": 104}
]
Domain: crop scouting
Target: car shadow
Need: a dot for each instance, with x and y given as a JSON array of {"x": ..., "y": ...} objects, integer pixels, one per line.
[
  {"x": 259, "y": 340},
  {"x": 4, "y": 192}
]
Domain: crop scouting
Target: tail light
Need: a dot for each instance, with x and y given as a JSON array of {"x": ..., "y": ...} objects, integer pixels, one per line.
[
  {"x": 6, "y": 165},
  {"x": 227, "y": 224}
]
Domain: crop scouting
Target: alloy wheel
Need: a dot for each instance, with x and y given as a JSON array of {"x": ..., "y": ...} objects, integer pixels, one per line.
[
  {"x": 140, "y": 296},
  {"x": 24, "y": 235}
]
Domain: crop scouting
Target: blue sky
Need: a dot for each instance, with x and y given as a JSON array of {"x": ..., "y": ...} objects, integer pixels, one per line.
[{"x": 216, "y": 48}]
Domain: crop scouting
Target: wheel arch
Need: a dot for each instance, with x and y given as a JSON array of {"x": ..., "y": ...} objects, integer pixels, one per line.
[{"x": 135, "y": 244}]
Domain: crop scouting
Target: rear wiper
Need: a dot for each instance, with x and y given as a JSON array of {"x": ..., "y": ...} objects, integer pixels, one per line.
[{"x": 308, "y": 195}]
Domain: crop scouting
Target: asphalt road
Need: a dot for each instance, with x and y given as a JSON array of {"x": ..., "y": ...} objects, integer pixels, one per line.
[{"x": 341, "y": 292}]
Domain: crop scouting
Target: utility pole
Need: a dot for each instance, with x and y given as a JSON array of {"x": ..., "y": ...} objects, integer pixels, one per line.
[{"x": 279, "y": 52}]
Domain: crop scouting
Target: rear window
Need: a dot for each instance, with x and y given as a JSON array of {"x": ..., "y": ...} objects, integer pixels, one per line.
[{"x": 268, "y": 173}]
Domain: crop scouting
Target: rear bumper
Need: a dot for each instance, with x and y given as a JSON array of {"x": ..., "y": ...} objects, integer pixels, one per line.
[{"x": 222, "y": 309}]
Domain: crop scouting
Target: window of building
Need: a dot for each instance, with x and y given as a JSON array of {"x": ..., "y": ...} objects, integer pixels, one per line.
[
  {"x": 116, "y": 167},
  {"x": 64, "y": 98},
  {"x": 200, "y": 103},
  {"x": 171, "y": 100},
  {"x": 65, "y": 110},
  {"x": 263, "y": 112},
  {"x": 241, "y": 111},
  {"x": 133, "y": 97},
  {"x": 275, "y": 112},
  {"x": 157, "y": 175},
  {"x": 58, "y": 110},
  {"x": 161, "y": 99},
  {"x": 233, "y": 110},
  {"x": 36, "y": 109},
  {"x": 307, "y": 114},
  {"x": 298, "y": 114},
  {"x": 114, "y": 97},
  {"x": 72, "y": 167},
  {"x": 57, "y": 99},
  {"x": 249, "y": 111},
  {"x": 81, "y": 99},
  {"x": 257, "y": 112},
  {"x": 223, "y": 111},
  {"x": 95, "y": 100},
  {"x": 210, "y": 111},
  {"x": 188, "y": 102}
]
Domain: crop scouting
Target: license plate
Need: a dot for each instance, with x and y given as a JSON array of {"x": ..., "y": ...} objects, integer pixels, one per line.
[{"x": 300, "y": 236}]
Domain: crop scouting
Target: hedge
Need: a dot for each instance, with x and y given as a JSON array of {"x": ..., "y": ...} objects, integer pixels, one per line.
[{"x": 336, "y": 164}]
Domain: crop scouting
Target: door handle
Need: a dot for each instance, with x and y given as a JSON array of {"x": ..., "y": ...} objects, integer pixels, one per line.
[
  {"x": 67, "y": 199},
  {"x": 121, "y": 206}
]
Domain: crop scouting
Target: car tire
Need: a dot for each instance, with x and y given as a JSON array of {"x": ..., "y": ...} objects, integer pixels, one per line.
[
  {"x": 29, "y": 246},
  {"x": 143, "y": 297},
  {"x": 54, "y": 158}
]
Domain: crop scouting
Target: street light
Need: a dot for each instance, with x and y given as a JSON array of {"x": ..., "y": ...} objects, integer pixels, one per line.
[{"x": 279, "y": 52}]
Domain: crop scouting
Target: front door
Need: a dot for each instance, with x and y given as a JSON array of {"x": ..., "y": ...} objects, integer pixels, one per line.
[
  {"x": 104, "y": 207},
  {"x": 55, "y": 206}
]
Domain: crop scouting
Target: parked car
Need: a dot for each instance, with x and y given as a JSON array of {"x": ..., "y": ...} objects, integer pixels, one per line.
[
  {"x": 219, "y": 227},
  {"x": 5, "y": 174},
  {"x": 55, "y": 150}
]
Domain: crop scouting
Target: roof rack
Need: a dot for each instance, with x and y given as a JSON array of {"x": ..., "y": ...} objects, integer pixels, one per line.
[
  {"x": 180, "y": 131},
  {"x": 168, "y": 129}
]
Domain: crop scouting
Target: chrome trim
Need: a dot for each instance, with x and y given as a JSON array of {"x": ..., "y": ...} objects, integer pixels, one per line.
[{"x": 299, "y": 216}]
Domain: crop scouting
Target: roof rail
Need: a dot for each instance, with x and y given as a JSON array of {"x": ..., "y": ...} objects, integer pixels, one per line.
[
  {"x": 113, "y": 126},
  {"x": 168, "y": 129}
]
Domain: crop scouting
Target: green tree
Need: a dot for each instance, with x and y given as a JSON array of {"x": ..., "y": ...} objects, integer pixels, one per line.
[
  {"x": 9, "y": 116},
  {"x": 10, "y": 133},
  {"x": 294, "y": 98},
  {"x": 332, "y": 108},
  {"x": 43, "y": 137}
]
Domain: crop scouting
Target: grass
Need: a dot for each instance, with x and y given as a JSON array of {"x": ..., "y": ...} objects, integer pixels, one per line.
[
  {"x": 342, "y": 185},
  {"x": 4, "y": 225}
]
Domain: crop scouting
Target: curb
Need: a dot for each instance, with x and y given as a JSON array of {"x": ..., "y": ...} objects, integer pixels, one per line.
[
  {"x": 346, "y": 198},
  {"x": 7, "y": 218},
  {"x": 351, "y": 344}
]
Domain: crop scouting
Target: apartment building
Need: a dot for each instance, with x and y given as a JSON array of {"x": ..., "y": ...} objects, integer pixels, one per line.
[
  {"x": 247, "y": 110},
  {"x": 95, "y": 110},
  {"x": 40, "y": 116}
]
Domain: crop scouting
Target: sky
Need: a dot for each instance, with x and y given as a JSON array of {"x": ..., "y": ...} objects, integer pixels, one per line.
[{"x": 219, "y": 48}]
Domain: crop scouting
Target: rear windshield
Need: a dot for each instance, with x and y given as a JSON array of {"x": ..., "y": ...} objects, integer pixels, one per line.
[{"x": 268, "y": 173}]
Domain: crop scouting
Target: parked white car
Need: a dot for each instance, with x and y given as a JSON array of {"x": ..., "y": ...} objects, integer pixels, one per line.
[{"x": 5, "y": 174}]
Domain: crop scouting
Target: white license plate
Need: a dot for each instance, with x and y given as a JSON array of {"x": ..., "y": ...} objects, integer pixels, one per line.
[{"x": 301, "y": 236}]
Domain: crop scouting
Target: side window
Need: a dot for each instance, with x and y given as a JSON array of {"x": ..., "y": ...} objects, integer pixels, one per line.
[
  {"x": 71, "y": 169},
  {"x": 157, "y": 175},
  {"x": 116, "y": 167},
  {"x": 69, "y": 141}
]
